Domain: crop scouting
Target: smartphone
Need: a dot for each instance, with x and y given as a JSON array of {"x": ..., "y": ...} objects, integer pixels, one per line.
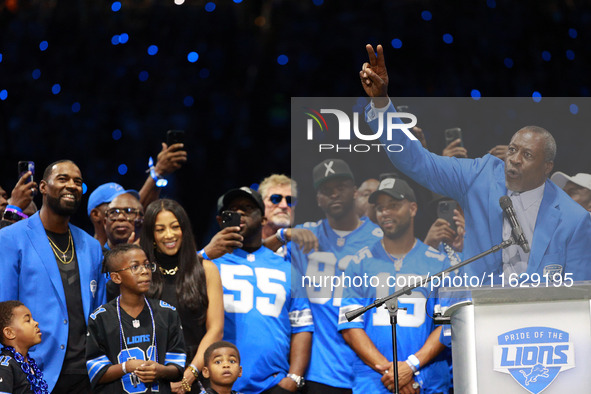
[
  {"x": 175, "y": 137},
  {"x": 452, "y": 135},
  {"x": 230, "y": 219},
  {"x": 24, "y": 166},
  {"x": 445, "y": 210}
]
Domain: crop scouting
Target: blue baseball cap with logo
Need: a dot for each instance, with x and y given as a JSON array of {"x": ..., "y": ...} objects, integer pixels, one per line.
[{"x": 106, "y": 193}]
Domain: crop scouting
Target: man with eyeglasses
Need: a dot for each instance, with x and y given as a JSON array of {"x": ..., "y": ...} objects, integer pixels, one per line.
[
  {"x": 54, "y": 268},
  {"x": 124, "y": 217}
]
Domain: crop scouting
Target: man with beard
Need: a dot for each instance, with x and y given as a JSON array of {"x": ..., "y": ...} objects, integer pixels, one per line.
[
  {"x": 340, "y": 235},
  {"x": 54, "y": 268},
  {"x": 271, "y": 328},
  {"x": 399, "y": 256},
  {"x": 556, "y": 228}
]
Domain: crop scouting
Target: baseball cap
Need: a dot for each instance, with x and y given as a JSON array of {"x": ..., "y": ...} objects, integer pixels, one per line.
[
  {"x": 581, "y": 179},
  {"x": 106, "y": 193},
  {"x": 394, "y": 187},
  {"x": 244, "y": 191},
  {"x": 331, "y": 169}
]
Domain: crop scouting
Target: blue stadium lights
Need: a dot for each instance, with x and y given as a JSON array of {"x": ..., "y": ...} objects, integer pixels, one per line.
[
  {"x": 116, "y": 134},
  {"x": 84, "y": 188},
  {"x": 210, "y": 6},
  {"x": 116, "y": 6},
  {"x": 204, "y": 73},
  {"x": 3, "y": 94},
  {"x": 188, "y": 101},
  {"x": 0, "y": 58},
  {"x": 36, "y": 74},
  {"x": 574, "y": 109},
  {"x": 115, "y": 39},
  {"x": 475, "y": 94},
  {"x": 143, "y": 76},
  {"x": 318, "y": 3},
  {"x": 122, "y": 169},
  {"x": 570, "y": 54},
  {"x": 396, "y": 43},
  {"x": 237, "y": 1},
  {"x": 152, "y": 50},
  {"x": 508, "y": 62},
  {"x": 572, "y": 33},
  {"x": 536, "y": 96},
  {"x": 76, "y": 107},
  {"x": 448, "y": 38},
  {"x": 43, "y": 45},
  {"x": 491, "y": 3},
  {"x": 192, "y": 57},
  {"x": 546, "y": 56},
  {"x": 55, "y": 89},
  {"x": 426, "y": 15},
  {"x": 123, "y": 38},
  {"x": 282, "y": 60}
]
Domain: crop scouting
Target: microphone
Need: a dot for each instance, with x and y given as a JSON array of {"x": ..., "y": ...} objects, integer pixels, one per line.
[{"x": 507, "y": 206}]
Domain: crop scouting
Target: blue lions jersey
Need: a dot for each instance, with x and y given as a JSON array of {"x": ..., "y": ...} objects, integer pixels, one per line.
[
  {"x": 331, "y": 358},
  {"x": 261, "y": 315},
  {"x": 414, "y": 324}
]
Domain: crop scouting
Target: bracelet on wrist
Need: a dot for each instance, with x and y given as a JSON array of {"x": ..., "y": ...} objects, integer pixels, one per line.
[
  {"x": 280, "y": 234},
  {"x": 206, "y": 257},
  {"x": 413, "y": 363},
  {"x": 158, "y": 179},
  {"x": 12, "y": 214},
  {"x": 194, "y": 371},
  {"x": 123, "y": 368},
  {"x": 185, "y": 384}
]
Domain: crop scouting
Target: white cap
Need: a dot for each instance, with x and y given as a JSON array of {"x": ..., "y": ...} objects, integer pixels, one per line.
[{"x": 581, "y": 179}]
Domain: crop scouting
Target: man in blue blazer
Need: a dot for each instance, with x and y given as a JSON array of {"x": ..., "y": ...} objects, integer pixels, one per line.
[
  {"x": 557, "y": 228},
  {"x": 54, "y": 268}
]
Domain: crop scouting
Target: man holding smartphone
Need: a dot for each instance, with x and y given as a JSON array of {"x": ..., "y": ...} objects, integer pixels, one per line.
[{"x": 54, "y": 268}]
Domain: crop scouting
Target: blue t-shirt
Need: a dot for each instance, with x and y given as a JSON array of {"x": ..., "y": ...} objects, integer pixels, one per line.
[
  {"x": 261, "y": 315},
  {"x": 331, "y": 358},
  {"x": 413, "y": 325}
]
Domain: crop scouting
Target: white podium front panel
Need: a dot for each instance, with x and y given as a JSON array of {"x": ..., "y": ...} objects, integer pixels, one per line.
[{"x": 507, "y": 343}]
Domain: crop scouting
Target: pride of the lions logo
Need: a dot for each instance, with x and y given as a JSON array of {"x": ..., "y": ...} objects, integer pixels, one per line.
[{"x": 534, "y": 356}]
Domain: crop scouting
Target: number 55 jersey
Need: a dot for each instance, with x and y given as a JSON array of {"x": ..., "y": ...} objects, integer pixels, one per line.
[{"x": 261, "y": 315}]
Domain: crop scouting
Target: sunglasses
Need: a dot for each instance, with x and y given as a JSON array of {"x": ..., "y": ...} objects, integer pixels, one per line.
[{"x": 277, "y": 198}]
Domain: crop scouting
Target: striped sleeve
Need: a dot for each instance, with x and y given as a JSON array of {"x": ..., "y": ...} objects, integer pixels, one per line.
[{"x": 96, "y": 365}]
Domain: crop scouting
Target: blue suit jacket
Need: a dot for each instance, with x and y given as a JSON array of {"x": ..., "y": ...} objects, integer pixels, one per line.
[
  {"x": 563, "y": 228},
  {"x": 30, "y": 274}
]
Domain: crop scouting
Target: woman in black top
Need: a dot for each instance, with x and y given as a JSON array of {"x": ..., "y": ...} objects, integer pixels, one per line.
[{"x": 185, "y": 281}]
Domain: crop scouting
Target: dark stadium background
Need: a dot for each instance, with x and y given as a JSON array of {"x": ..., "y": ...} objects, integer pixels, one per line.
[{"x": 99, "y": 95}]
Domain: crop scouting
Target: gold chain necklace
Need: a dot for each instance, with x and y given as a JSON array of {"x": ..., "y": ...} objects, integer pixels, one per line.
[
  {"x": 172, "y": 271},
  {"x": 56, "y": 249}
]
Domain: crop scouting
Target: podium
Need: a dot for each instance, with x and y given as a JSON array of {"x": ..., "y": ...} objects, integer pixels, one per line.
[{"x": 521, "y": 340}]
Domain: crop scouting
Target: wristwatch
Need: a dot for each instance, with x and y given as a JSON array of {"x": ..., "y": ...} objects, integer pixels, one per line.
[{"x": 299, "y": 380}]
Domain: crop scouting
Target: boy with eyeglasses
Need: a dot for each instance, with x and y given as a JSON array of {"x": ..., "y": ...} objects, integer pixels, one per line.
[{"x": 134, "y": 344}]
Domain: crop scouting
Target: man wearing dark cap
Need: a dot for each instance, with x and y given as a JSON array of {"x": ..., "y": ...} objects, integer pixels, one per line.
[
  {"x": 54, "y": 268},
  {"x": 272, "y": 330},
  {"x": 98, "y": 201},
  {"x": 399, "y": 255},
  {"x": 340, "y": 235}
]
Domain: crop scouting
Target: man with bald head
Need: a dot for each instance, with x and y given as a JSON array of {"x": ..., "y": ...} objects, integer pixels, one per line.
[
  {"x": 54, "y": 268},
  {"x": 557, "y": 229}
]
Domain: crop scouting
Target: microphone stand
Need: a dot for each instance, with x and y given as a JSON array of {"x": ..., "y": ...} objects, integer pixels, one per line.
[{"x": 391, "y": 301}]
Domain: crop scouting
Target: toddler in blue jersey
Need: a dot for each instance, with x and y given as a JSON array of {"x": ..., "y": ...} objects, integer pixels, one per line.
[
  {"x": 222, "y": 367},
  {"x": 19, "y": 374}
]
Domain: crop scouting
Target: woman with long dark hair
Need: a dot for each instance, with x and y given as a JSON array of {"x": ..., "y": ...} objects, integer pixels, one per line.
[{"x": 185, "y": 281}]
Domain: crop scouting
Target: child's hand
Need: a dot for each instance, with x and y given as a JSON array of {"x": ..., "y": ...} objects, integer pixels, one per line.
[
  {"x": 148, "y": 371},
  {"x": 133, "y": 364}
]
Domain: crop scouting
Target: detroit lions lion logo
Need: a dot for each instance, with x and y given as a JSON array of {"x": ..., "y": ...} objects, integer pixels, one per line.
[{"x": 534, "y": 356}]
